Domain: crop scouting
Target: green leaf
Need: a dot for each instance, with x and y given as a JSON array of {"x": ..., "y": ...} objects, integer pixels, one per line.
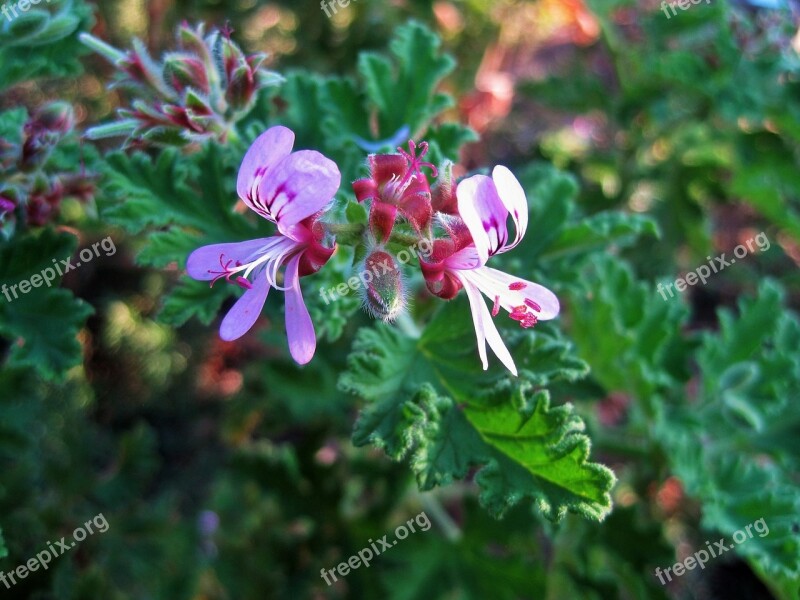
[
  {"x": 598, "y": 231},
  {"x": 736, "y": 448},
  {"x": 626, "y": 331},
  {"x": 11, "y": 123},
  {"x": 181, "y": 203},
  {"x": 192, "y": 299},
  {"x": 42, "y": 324},
  {"x": 560, "y": 231},
  {"x": 769, "y": 182},
  {"x": 3, "y": 549},
  {"x": 405, "y": 95},
  {"x": 48, "y": 46},
  {"x": 428, "y": 400},
  {"x": 445, "y": 141},
  {"x": 193, "y": 193}
]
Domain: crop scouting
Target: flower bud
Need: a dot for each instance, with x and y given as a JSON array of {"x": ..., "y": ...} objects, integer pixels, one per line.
[
  {"x": 44, "y": 201},
  {"x": 8, "y": 221},
  {"x": 241, "y": 88},
  {"x": 42, "y": 132},
  {"x": 57, "y": 117},
  {"x": 192, "y": 40},
  {"x": 139, "y": 66},
  {"x": 230, "y": 56},
  {"x": 7, "y": 205},
  {"x": 78, "y": 186},
  {"x": 384, "y": 291},
  {"x": 183, "y": 71},
  {"x": 444, "y": 192}
]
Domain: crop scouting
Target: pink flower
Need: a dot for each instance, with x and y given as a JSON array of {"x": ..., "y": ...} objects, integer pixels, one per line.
[
  {"x": 290, "y": 189},
  {"x": 478, "y": 233},
  {"x": 396, "y": 184}
]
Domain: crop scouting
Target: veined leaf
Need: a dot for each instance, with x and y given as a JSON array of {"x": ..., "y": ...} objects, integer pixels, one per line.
[{"x": 426, "y": 402}]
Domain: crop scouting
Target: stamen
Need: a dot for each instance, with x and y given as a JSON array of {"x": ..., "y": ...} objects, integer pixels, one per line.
[
  {"x": 517, "y": 285},
  {"x": 520, "y": 313},
  {"x": 496, "y": 307},
  {"x": 415, "y": 163},
  {"x": 227, "y": 272},
  {"x": 244, "y": 283},
  {"x": 533, "y": 305},
  {"x": 521, "y": 309}
]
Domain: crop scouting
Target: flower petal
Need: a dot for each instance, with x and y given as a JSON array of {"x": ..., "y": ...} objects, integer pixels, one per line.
[
  {"x": 465, "y": 259},
  {"x": 206, "y": 263},
  {"x": 384, "y": 167},
  {"x": 513, "y": 198},
  {"x": 485, "y": 329},
  {"x": 496, "y": 283},
  {"x": 269, "y": 148},
  {"x": 483, "y": 212},
  {"x": 245, "y": 312},
  {"x": 299, "y": 328},
  {"x": 300, "y": 185}
]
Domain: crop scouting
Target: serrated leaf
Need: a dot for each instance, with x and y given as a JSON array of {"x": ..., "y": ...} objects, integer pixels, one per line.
[
  {"x": 42, "y": 325},
  {"x": 625, "y": 330},
  {"x": 405, "y": 95},
  {"x": 11, "y": 124},
  {"x": 427, "y": 403},
  {"x": 50, "y": 49},
  {"x": 736, "y": 449},
  {"x": 182, "y": 203},
  {"x": 192, "y": 298}
]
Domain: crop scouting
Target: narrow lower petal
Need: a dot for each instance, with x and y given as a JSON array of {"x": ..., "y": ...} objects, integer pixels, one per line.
[
  {"x": 245, "y": 312},
  {"x": 496, "y": 283},
  {"x": 206, "y": 263},
  {"x": 485, "y": 329},
  {"x": 484, "y": 214},
  {"x": 270, "y": 147},
  {"x": 299, "y": 186},
  {"x": 513, "y": 198},
  {"x": 299, "y": 328}
]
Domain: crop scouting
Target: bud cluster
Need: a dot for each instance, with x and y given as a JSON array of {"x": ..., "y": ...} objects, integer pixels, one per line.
[
  {"x": 199, "y": 91},
  {"x": 398, "y": 187},
  {"x": 30, "y": 193}
]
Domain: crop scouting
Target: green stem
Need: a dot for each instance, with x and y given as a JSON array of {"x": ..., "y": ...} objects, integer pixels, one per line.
[
  {"x": 439, "y": 515},
  {"x": 407, "y": 325},
  {"x": 110, "y": 53},
  {"x": 118, "y": 128}
]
